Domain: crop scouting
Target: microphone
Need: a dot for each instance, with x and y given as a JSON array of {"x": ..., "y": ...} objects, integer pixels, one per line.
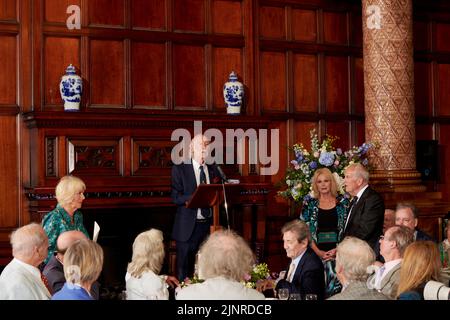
[{"x": 221, "y": 173}]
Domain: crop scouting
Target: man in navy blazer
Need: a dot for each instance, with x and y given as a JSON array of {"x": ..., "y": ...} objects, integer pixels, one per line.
[
  {"x": 305, "y": 273},
  {"x": 191, "y": 226},
  {"x": 366, "y": 214}
]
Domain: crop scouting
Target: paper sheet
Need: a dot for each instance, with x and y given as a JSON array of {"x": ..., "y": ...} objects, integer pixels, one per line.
[{"x": 96, "y": 231}]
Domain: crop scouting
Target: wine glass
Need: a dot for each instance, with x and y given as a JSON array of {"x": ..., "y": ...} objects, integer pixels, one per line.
[
  {"x": 310, "y": 296},
  {"x": 283, "y": 294},
  {"x": 294, "y": 296}
]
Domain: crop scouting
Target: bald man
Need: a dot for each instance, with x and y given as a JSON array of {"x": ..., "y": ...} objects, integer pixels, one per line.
[{"x": 54, "y": 269}]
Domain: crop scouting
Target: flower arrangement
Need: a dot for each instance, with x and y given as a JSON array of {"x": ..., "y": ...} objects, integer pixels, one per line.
[
  {"x": 187, "y": 281},
  {"x": 322, "y": 155},
  {"x": 259, "y": 272}
]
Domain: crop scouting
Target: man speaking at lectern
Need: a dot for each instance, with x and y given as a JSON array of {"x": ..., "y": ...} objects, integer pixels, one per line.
[{"x": 191, "y": 226}]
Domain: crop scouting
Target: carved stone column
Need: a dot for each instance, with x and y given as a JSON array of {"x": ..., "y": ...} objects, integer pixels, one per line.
[{"x": 389, "y": 94}]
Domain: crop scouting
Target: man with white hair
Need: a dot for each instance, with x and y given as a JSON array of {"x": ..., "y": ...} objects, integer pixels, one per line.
[
  {"x": 21, "y": 278},
  {"x": 366, "y": 213},
  {"x": 353, "y": 257}
]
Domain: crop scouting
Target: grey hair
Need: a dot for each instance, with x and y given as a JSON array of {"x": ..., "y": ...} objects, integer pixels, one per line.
[
  {"x": 148, "y": 253},
  {"x": 403, "y": 237},
  {"x": 299, "y": 228},
  {"x": 354, "y": 256},
  {"x": 24, "y": 239},
  {"x": 359, "y": 171},
  {"x": 408, "y": 205},
  {"x": 225, "y": 254}
]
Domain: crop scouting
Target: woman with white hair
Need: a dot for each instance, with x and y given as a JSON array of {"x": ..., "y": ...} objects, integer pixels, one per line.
[
  {"x": 143, "y": 281},
  {"x": 66, "y": 216}
]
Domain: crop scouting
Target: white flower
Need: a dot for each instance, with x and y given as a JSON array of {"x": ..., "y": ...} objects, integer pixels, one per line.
[{"x": 339, "y": 182}]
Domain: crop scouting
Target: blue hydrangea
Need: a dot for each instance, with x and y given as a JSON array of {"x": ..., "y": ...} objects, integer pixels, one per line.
[
  {"x": 326, "y": 159},
  {"x": 313, "y": 165}
]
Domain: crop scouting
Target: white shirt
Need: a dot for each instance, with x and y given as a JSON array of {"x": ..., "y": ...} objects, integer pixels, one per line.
[
  {"x": 196, "y": 167},
  {"x": 388, "y": 266},
  {"x": 296, "y": 260}
]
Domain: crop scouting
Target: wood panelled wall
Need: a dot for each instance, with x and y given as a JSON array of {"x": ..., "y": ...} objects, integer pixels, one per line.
[{"x": 300, "y": 60}]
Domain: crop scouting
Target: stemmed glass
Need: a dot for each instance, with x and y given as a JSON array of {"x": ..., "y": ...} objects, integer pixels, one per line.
[
  {"x": 283, "y": 294},
  {"x": 311, "y": 296}
]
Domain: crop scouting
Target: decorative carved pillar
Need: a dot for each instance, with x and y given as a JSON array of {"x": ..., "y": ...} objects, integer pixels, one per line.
[{"x": 389, "y": 94}]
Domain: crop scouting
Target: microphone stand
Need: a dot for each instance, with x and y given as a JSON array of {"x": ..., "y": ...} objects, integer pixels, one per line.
[{"x": 223, "y": 178}]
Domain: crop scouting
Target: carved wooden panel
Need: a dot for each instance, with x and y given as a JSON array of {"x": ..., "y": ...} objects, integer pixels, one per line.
[
  {"x": 189, "y": 15},
  {"x": 302, "y": 133},
  {"x": 149, "y": 14},
  {"x": 273, "y": 81},
  {"x": 189, "y": 76},
  {"x": 8, "y": 73},
  {"x": 421, "y": 35},
  {"x": 51, "y": 157},
  {"x": 304, "y": 25},
  {"x": 341, "y": 130},
  {"x": 306, "y": 81},
  {"x": 422, "y": 89},
  {"x": 151, "y": 158},
  {"x": 8, "y": 10},
  {"x": 336, "y": 83},
  {"x": 227, "y": 17},
  {"x": 149, "y": 74},
  {"x": 59, "y": 52},
  {"x": 442, "y": 32},
  {"x": 106, "y": 12},
  {"x": 56, "y": 10},
  {"x": 335, "y": 27},
  {"x": 224, "y": 61},
  {"x": 359, "y": 85},
  {"x": 443, "y": 98},
  {"x": 272, "y": 22},
  {"x": 94, "y": 156},
  {"x": 107, "y": 75},
  {"x": 9, "y": 168}
]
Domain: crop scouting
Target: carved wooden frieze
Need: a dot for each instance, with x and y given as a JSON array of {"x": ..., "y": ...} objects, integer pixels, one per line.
[
  {"x": 50, "y": 157},
  {"x": 94, "y": 156},
  {"x": 151, "y": 157}
]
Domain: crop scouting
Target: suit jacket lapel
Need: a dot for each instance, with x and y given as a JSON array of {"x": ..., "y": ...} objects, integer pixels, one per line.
[
  {"x": 357, "y": 208},
  {"x": 389, "y": 275},
  {"x": 298, "y": 270},
  {"x": 191, "y": 175}
]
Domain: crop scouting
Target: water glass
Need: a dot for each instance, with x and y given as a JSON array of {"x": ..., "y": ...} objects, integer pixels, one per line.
[
  {"x": 294, "y": 296},
  {"x": 310, "y": 296},
  {"x": 283, "y": 294}
]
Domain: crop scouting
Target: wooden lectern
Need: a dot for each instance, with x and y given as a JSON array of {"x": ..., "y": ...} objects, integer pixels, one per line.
[{"x": 211, "y": 195}]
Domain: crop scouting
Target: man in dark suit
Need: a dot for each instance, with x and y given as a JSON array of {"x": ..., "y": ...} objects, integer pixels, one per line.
[
  {"x": 407, "y": 214},
  {"x": 54, "y": 269},
  {"x": 366, "y": 213},
  {"x": 191, "y": 226},
  {"x": 305, "y": 273}
]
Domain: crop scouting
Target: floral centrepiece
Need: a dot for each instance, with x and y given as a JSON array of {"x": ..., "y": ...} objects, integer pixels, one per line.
[
  {"x": 322, "y": 155},
  {"x": 188, "y": 281},
  {"x": 259, "y": 272}
]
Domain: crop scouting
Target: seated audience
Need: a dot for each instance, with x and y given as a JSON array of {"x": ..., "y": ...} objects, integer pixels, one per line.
[
  {"x": 305, "y": 272},
  {"x": 143, "y": 281},
  {"x": 407, "y": 214},
  {"x": 83, "y": 262},
  {"x": 392, "y": 246},
  {"x": 21, "y": 278},
  {"x": 420, "y": 264},
  {"x": 66, "y": 216},
  {"x": 444, "y": 247},
  {"x": 54, "y": 269},
  {"x": 353, "y": 257},
  {"x": 223, "y": 262}
]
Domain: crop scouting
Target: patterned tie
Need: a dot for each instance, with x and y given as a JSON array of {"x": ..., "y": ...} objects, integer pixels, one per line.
[
  {"x": 290, "y": 274},
  {"x": 45, "y": 281},
  {"x": 205, "y": 212},
  {"x": 382, "y": 271}
]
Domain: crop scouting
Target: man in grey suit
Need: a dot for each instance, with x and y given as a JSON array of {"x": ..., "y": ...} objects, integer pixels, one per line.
[
  {"x": 353, "y": 257},
  {"x": 392, "y": 246}
]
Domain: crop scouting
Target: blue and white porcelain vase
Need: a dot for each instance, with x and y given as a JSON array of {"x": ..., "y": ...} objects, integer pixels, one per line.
[
  {"x": 233, "y": 93},
  {"x": 71, "y": 88}
]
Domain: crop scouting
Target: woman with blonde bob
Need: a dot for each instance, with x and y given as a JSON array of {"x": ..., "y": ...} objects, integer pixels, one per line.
[
  {"x": 143, "y": 281},
  {"x": 325, "y": 213},
  {"x": 420, "y": 264},
  {"x": 66, "y": 216},
  {"x": 83, "y": 262}
]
